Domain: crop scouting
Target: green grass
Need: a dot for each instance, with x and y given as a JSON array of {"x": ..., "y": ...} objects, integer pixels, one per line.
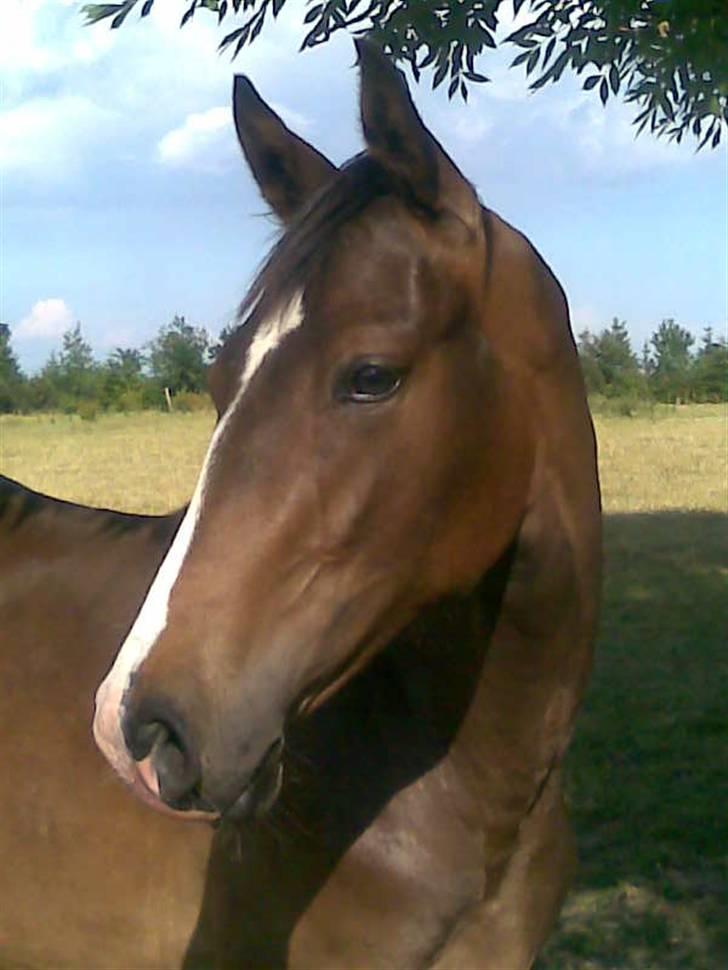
[
  {"x": 647, "y": 773},
  {"x": 648, "y": 770}
]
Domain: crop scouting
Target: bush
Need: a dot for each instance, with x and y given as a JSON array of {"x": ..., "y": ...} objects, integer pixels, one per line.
[
  {"x": 187, "y": 401},
  {"x": 626, "y": 406},
  {"x": 87, "y": 410},
  {"x": 153, "y": 396},
  {"x": 130, "y": 400}
]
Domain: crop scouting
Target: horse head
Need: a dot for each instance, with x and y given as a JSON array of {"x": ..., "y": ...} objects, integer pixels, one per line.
[{"x": 370, "y": 457}]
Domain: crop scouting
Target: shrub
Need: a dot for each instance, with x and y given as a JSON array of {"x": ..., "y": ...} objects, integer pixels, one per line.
[
  {"x": 187, "y": 401},
  {"x": 87, "y": 410},
  {"x": 624, "y": 406},
  {"x": 129, "y": 400}
]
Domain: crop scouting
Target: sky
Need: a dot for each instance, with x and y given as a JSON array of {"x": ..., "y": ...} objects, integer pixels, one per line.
[{"x": 124, "y": 198}]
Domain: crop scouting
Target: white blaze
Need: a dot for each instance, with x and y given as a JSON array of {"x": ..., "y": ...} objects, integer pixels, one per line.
[{"x": 152, "y": 617}]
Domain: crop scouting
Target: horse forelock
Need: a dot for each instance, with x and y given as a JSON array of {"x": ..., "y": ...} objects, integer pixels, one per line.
[{"x": 278, "y": 289}]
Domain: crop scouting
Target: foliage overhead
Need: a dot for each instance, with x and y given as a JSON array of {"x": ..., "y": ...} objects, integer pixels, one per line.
[{"x": 667, "y": 57}]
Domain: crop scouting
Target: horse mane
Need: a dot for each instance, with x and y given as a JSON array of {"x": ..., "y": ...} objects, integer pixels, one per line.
[{"x": 19, "y": 504}]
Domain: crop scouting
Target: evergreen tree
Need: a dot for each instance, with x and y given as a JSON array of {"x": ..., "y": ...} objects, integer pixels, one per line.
[
  {"x": 587, "y": 346},
  {"x": 69, "y": 376},
  {"x": 11, "y": 377},
  {"x": 122, "y": 378},
  {"x": 710, "y": 369},
  {"x": 609, "y": 364},
  {"x": 671, "y": 363}
]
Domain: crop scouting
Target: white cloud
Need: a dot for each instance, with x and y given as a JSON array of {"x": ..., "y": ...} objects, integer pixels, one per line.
[
  {"x": 605, "y": 139},
  {"x": 196, "y": 138},
  {"x": 47, "y": 135},
  {"x": 205, "y": 139},
  {"x": 294, "y": 119},
  {"x": 38, "y": 36},
  {"x": 63, "y": 81},
  {"x": 48, "y": 318}
]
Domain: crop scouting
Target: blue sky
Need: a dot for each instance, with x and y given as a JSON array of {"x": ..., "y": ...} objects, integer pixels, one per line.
[{"x": 124, "y": 198}]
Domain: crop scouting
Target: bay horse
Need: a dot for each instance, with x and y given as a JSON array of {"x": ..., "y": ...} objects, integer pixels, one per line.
[
  {"x": 359, "y": 651},
  {"x": 88, "y": 877},
  {"x": 362, "y": 654}
]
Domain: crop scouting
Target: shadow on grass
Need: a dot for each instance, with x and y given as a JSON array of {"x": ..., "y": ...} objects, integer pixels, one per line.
[{"x": 648, "y": 770}]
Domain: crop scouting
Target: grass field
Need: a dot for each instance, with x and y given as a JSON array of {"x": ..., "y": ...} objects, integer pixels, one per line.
[
  {"x": 148, "y": 462},
  {"x": 648, "y": 770}
]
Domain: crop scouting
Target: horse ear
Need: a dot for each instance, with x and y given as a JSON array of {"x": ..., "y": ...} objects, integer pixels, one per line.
[
  {"x": 287, "y": 169},
  {"x": 397, "y": 138}
]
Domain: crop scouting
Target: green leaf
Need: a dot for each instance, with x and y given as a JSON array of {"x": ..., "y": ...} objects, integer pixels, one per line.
[
  {"x": 439, "y": 75},
  {"x": 520, "y": 58},
  {"x": 313, "y": 13},
  {"x": 549, "y": 51},
  {"x": 592, "y": 81},
  {"x": 189, "y": 13},
  {"x": 614, "y": 78},
  {"x": 229, "y": 38}
]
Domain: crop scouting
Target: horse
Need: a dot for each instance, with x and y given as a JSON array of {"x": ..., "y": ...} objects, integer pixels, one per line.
[
  {"x": 89, "y": 877},
  {"x": 408, "y": 461},
  {"x": 361, "y": 657}
]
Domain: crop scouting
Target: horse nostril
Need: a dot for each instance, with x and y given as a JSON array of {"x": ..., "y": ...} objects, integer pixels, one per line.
[
  {"x": 162, "y": 740},
  {"x": 142, "y": 738}
]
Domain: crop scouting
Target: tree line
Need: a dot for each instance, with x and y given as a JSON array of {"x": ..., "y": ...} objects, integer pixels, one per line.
[
  {"x": 671, "y": 367},
  {"x": 168, "y": 371},
  {"x": 171, "y": 370}
]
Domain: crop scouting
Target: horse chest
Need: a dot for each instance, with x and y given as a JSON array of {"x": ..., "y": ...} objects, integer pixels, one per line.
[
  {"x": 396, "y": 895},
  {"x": 389, "y": 898}
]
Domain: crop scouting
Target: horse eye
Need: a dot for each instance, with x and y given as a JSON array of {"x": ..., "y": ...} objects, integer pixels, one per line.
[{"x": 369, "y": 382}]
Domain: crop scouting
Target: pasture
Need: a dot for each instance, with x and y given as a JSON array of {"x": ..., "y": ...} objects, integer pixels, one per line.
[{"x": 648, "y": 770}]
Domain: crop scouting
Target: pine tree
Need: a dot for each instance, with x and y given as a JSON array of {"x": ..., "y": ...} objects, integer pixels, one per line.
[
  {"x": 11, "y": 377},
  {"x": 670, "y": 379},
  {"x": 710, "y": 369}
]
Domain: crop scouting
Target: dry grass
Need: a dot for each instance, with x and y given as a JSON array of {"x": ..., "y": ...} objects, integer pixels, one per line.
[
  {"x": 148, "y": 462},
  {"x": 144, "y": 462},
  {"x": 674, "y": 458}
]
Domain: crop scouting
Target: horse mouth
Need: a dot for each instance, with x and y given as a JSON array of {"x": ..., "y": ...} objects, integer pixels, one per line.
[{"x": 261, "y": 792}]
